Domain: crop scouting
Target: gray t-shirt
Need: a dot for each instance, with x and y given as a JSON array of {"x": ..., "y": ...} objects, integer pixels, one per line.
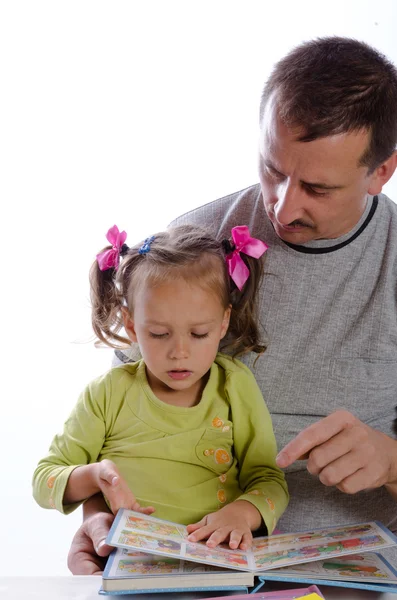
[{"x": 328, "y": 310}]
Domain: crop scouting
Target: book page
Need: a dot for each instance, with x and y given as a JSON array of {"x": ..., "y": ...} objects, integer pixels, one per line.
[
  {"x": 147, "y": 534},
  {"x": 289, "y": 549},
  {"x": 368, "y": 567},
  {"x": 131, "y": 563},
  {"x": 155, "y": 536}
]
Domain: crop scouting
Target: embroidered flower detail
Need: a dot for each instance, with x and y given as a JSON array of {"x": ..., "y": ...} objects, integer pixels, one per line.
[
  {"x": 217, "y": 422},
  {"x": 271, "y": 504},
  {"x": 254, "y": 492},
  {"x": 51, "y": 481},
  {"x": 222, "y": 457},
  {"x": 222, "y": 478},
  {"x": 51, "y": 503},
  {"x": 221, "y": 496},
  {"x": 226, "y": 428}
]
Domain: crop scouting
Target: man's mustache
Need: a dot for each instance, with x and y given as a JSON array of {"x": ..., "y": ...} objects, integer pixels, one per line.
[{"x": 299, "y": 223}]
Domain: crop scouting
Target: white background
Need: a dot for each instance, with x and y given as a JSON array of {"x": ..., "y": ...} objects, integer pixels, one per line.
[{"x": 115, "y": 112}]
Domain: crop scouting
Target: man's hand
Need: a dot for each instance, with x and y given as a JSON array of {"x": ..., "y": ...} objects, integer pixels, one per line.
[
  {"x": 345, "y": 453},
  {"x": 88, "y": 551},
  {"x": 233, "y": 522},
  {"x": 116, "y": 490}
]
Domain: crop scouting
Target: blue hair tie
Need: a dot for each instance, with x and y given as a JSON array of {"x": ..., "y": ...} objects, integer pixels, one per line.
[{"x": 144, "y": 249}]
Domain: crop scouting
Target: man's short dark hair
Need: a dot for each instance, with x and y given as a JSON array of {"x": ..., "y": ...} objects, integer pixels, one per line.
[{"x": 338, "y": 85}]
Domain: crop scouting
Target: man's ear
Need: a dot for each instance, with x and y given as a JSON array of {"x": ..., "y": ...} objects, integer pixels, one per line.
[
  {"x": 382, "y": 174},
  {"x": 129, "y": 324},
  {"x": 225, "y": 321}
]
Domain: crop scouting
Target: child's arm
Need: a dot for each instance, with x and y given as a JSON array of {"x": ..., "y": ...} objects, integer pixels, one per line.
[
  {"x": 71, "y": 472},
  {"x": 88, "y": 480}
]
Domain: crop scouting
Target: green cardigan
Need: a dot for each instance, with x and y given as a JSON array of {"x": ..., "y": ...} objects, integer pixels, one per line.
[{"x": 186, "y": 462}]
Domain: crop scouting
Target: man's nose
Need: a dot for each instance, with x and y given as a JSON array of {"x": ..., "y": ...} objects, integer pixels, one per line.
[{"x": 289, "y": 206}]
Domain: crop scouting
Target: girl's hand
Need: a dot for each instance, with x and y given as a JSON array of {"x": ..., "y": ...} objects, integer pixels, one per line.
[
  {"x": 116, "y": 490},
  {"x": 233, "y": 522}
]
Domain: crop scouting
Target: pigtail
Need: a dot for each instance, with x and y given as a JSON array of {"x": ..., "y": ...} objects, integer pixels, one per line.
[
  {"x": 106, "y": 303},
  {"x": 243, "y": 330}
]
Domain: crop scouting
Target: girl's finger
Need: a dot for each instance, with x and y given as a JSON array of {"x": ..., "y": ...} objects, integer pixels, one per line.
[
  {"x": 147, "y": 510},
  {"x": 201, "y": 533},
  {"x": 195, "y": 526},
  {"x": 235, "y": 539},
  {"x": 246, "y": 541},
  {"x": 218, "y": 536}
]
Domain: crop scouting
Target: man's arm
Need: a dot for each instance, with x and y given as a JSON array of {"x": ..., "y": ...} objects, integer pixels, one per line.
[
  {"x": 88, "y": 552},
  {"x": 345, "y": 453}
]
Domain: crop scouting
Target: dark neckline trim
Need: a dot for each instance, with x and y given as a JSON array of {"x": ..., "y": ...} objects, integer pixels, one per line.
[{"x": 325, "y": 250}]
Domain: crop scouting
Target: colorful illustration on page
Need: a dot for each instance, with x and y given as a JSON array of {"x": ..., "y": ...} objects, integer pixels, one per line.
[
  {"x": 148, "y": 566},
  {"x": 149, "y": 543},
  {"x": 368, "y": 566},
  {"x": 301, "y": 551},
  {"x": 155, "y": 527},
  {"x": 216, "y": 555},
  {"x": 291, "y": 539}
]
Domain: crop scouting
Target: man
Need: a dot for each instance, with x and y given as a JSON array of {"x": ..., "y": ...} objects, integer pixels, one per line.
[{"x": 328, "y": 124}]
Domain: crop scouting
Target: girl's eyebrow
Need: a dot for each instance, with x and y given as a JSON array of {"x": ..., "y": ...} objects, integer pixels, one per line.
[{"x": 164, "y": 324}]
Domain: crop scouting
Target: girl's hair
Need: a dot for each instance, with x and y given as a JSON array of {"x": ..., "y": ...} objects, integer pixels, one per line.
[{"x": 183, "y": 252}]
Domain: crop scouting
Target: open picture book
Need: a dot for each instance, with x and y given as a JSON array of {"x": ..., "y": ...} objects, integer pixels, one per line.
[
  {"x": 153, "y": 553},
  {"x": 150, "y": 535},
  {"x": 128, "y": 570}
]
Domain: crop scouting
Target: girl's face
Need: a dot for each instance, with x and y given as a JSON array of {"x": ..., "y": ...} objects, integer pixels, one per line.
[{"x": 178, "y": 327}]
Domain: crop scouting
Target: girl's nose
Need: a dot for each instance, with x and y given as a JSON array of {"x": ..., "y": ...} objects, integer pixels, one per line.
[{"x": 179, "y": 350}]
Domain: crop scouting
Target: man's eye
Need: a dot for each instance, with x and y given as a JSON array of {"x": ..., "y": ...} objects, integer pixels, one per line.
[
  {"x": 199, "y": 336},
  {"x": 273, "y": 173},
  {"x": 157, "y": 336},
  {"x": 314, "y": 192}
]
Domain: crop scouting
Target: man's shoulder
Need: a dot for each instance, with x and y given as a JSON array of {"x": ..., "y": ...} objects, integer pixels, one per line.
[
  {"x": 386, "y": 220},
  {"x": 391, "y": 206},
  {"x": 244, "y": 207}
]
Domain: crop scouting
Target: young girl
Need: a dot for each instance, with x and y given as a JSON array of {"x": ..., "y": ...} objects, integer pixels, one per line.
[{"x": 185, "y": 431}]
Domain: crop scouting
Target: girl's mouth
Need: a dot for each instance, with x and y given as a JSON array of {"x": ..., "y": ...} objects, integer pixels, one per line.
[{"x": 179, "y": 374}]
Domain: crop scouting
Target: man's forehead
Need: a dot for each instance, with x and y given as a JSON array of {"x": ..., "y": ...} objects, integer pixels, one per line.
[{"x": 277, "y": 139}]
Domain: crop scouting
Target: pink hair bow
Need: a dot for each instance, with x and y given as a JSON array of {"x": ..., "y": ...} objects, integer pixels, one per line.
[
  {"x": 243, "y": 242},
  {"x": 110, "y": 258}
]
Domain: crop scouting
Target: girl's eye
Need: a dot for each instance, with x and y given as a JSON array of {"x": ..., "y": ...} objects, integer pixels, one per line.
[
  {"x": 157, "y": 336},
  {"x": 199, "y": 336}
]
